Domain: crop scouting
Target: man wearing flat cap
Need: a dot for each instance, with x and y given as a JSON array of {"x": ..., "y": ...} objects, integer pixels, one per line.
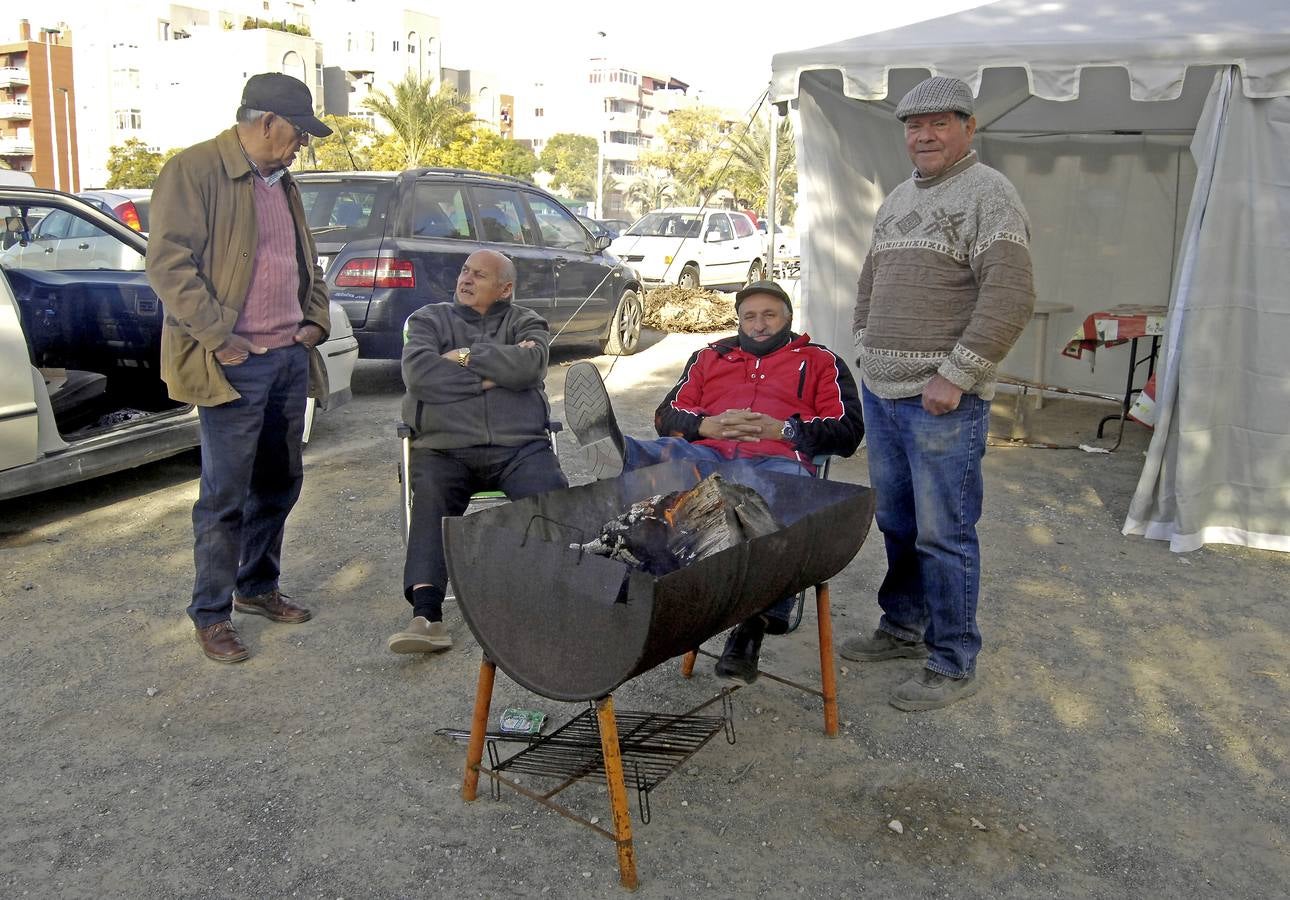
[
  {"x": 944, "y": 293},
  {"x": 766, "y": 395},
  {"x": 231, "y": 257}
]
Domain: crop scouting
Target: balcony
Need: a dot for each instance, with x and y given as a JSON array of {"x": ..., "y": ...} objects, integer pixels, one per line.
[
  {"x": 14, "y": 75},
  {"x": 16, "y": 146},
  {"x": 15, "y": 109}
]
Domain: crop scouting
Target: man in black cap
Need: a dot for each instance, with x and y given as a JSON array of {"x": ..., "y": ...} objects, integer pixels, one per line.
[
  {"x": 766, "y": 395},
  {"x": 231, "y": 257},
  {"x": 945, "y": 291}
]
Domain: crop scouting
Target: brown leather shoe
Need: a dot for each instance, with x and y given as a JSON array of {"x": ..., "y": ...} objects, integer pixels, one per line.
[
  {"x": 221, "y": 642},
  {"x": 273, "y": 605}
]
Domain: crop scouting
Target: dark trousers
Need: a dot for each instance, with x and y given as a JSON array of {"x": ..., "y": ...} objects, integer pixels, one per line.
[
  {"x": 251, "y": 476},
  {"x": 442, "y": 483}
]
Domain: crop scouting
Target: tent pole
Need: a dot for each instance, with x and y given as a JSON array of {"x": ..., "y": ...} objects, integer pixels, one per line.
[{"x": 773, "y": 131}]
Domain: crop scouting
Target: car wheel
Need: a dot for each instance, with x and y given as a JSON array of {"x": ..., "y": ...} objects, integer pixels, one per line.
[
  {"x": 755, "y": 272},
  {"x": 689, "y": 276},
  {"x": 625, "y": 329}
]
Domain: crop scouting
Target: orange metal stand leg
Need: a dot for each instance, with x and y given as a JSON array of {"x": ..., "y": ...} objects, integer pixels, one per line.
[
  {"x": 478, "y": 727},
  {"x": 617, "y": 792},
  {"x": 687, "y": 663},
  {"x": 828, "y": 672}
]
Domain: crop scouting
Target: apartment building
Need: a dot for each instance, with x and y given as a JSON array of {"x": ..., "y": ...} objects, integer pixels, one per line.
[{"x": 38, "y": 107}]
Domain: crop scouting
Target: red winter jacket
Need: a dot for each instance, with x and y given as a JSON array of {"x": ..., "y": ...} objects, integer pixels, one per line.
[{"x": 800, "y": 380}]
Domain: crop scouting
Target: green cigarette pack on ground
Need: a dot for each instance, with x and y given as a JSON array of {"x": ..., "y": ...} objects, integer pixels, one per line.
[{"x": 522, "y": 721}]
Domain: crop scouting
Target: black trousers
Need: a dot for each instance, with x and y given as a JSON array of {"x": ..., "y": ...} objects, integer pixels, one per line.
[{"x": 442, "y": 484}]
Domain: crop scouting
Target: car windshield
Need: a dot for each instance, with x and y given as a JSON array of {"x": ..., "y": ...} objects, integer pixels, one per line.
[
  {"x": 667, "y": 224},
  {"x": 50, "y": 239}
]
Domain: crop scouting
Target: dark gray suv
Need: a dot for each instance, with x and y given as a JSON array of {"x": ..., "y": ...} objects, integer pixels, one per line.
[{"x": 391, "y": 242}]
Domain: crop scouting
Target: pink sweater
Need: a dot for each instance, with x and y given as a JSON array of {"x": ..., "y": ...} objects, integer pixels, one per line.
[{"x": 272, "y": 313}]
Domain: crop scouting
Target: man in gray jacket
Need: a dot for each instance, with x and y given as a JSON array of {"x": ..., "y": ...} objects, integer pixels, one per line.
[{"x": 474, "y": 371}]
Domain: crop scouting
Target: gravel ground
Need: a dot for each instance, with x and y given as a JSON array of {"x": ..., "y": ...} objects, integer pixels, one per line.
[{"x": 1130, "y": 737}]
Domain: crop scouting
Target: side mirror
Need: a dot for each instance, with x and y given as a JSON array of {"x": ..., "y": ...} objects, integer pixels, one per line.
[
  {"x": 712, "y": 237},
  {"x": 601, "y": 241}
]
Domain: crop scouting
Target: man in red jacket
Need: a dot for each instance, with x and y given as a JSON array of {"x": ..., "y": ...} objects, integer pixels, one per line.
[{"x": 766, "y": 395}]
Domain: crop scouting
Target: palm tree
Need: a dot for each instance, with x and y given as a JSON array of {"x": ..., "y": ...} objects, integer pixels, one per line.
[
  {"x": 422, "y": 120},
  {"x": 650, "y": 190},
  {"x": 750, "y": 165}
]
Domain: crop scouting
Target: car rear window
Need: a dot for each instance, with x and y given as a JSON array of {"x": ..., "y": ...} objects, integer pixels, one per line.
[
  {"x": 354, "y": 207},
  {"x": 743, "y": 227},
  {"x": 439, "y": 211},
  {"x": 661, "y": 224}
]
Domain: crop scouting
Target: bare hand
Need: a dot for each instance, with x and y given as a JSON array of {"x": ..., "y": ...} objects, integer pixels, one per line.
[
  {"x": 527, "y": 344},
  {"x": 733, "y": 424},
  {"x": 455, "y": 355},
  {"x": 235, "y": 350},
  {"x": 308, "y": 334},
  {"x": 941, "y": 396},
  {"x": 487, "y": 384}
]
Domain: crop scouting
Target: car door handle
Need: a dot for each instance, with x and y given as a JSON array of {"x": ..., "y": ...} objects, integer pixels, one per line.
[
  {"x": 561, "y": 260},
  {"x": 49, "y": 249},
  {"x": 82, "y": 246}
]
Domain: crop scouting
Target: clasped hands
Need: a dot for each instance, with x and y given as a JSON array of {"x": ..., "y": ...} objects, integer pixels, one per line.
[
  {"x": 235, "y": 349},
  {"x": 741, "y": 425}
]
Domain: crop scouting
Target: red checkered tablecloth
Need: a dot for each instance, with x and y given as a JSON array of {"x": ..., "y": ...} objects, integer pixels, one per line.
[{"x": 1115, "y": 326}]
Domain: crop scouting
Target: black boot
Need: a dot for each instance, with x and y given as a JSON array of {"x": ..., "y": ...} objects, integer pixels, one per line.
[{"x": 738, "y": 660}]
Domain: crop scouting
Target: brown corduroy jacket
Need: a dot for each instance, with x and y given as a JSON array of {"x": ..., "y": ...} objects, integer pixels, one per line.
[{"x": 201, "y": 253}]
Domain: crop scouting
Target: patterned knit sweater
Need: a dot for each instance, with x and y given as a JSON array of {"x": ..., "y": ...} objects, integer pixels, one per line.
[{"x": 947, "y": 286}]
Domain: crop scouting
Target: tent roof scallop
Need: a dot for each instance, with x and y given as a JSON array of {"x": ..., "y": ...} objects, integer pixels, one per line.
[{"x": 1155, "y": 42}]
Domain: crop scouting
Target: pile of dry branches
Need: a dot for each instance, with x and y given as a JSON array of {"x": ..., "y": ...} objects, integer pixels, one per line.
[{"x": 691, "y": 310}]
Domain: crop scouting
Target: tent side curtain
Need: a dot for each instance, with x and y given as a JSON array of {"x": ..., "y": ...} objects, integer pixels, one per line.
[
  {"x": 1154, "y": 42},
  {"x": 1218, "y": 468}
]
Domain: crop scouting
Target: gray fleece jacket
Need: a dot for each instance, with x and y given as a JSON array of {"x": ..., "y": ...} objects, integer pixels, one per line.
[{"x": 447, "y": 405}]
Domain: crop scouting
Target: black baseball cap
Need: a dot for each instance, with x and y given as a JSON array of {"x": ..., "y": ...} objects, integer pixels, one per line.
[
  {"x": 285, "y": 96},
  {"x": 763, "y": 287}
]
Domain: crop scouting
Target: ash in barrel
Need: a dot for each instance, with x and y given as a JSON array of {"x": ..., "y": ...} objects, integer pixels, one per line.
[{"x": 668, "y": 531}]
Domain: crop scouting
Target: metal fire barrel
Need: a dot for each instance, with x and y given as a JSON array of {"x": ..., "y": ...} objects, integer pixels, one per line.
[{"x": 570, "y": 625}]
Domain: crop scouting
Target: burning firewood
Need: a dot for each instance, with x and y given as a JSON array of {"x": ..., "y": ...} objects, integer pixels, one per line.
[{"x": 668, "y": 531}]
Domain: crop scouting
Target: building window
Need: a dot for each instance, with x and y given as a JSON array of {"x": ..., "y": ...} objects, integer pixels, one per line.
[
  {"x": 371, "y": 42},
  {"x": 539, "y": 113},
  {"x": 125, "y": 80},
  {"x": 128, "y": 119},
  {"x": 349, "y": 41},
  {"x": 396, "y": 46}
]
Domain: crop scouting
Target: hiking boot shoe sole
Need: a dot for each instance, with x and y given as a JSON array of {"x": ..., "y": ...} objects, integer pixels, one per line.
[
  {"x": 405, "y": 642},
  {"x": 590, "y": 417},
  {"x": 874, "y": 649}
]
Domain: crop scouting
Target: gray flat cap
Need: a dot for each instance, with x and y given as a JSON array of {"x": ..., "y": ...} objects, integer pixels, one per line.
[{"x": 940, "y": 93}]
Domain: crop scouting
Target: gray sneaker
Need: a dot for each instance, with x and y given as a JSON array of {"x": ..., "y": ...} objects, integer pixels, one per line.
[
  {"x": 882, "y": 646},
  {"x": 590, "y": 416},
  {"x": 932, "y": 690}
]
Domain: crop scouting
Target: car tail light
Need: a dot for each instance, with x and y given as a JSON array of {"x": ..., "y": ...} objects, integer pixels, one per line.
[
  {"x": 373, "y": 272},
  {"x": 129, "y": 215}
]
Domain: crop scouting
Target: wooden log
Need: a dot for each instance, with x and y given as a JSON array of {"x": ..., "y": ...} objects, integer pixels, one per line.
[{"x": 668, "y": 531}]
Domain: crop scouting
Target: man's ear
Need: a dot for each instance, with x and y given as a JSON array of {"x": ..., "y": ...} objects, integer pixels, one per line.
[{"x": 508, "y": 292}]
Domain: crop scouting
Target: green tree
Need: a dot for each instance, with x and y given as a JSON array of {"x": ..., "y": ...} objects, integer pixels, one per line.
[
  {"x": 484, "y": 150},
  {"x": 690, "y": 155},
  {"x": 750, "y": 176},
  {"x": 651, "y": 189},
  {"x": 571, "y": 160},
  {"x": 423, "y": 121},
  {"x": 349, "y": 146},
  {"x": 133, "y": 165}
]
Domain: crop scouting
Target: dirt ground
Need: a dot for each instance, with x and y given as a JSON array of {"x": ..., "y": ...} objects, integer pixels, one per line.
[{"x": 1130, "y": 737}]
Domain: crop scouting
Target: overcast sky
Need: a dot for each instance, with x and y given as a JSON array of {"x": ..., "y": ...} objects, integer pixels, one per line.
[{"x": 722, "y": 48}]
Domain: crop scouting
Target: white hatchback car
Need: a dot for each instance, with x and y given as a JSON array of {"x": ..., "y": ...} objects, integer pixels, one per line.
[
  {"x": 692, "y": 247},
  {"x": 80, "y": 336}
]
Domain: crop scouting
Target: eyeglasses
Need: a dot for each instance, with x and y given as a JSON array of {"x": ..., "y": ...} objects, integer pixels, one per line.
[{"x": 301, "y": 135}]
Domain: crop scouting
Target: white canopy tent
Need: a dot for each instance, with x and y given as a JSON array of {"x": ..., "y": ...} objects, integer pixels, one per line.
[{"x": 1150, "y": 142}]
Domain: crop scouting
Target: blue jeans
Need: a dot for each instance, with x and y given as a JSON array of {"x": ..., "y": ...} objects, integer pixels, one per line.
[
  {"x": 639, "y": 454},
  {"x": 442, "y": 484},
  {"x": 926, "y": 471},
  {"x": 251, "y": 477}
]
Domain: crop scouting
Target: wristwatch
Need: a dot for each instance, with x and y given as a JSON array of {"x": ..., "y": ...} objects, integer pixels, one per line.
[
  {"x": 789, "y": 432},
  {"x": 463, "y": 357}
]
